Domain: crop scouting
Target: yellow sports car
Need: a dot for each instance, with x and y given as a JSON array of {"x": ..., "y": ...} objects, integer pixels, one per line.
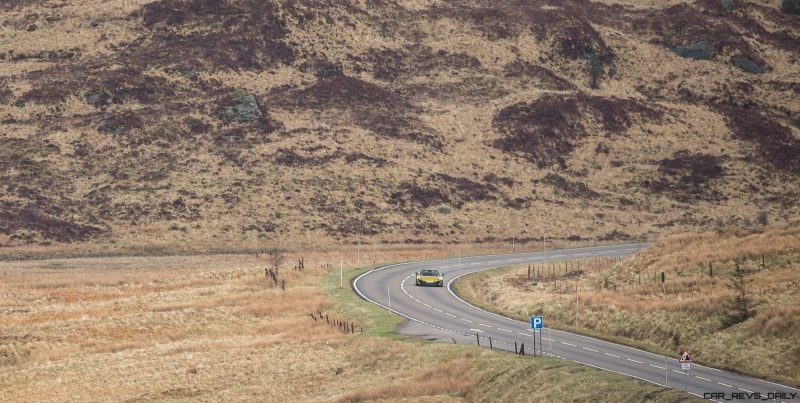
[{"x": 430, "y": 277}]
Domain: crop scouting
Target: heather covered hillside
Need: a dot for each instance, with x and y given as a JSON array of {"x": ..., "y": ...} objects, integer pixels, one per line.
[{"x": 245, "y": 122}]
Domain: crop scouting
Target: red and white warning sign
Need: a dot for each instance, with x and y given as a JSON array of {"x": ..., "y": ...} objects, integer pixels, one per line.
[{"x": 685, "y": 360}]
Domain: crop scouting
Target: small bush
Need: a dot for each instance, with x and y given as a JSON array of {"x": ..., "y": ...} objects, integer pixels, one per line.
[
  {"x": 729, "y": 5},
  {"x": 696, "y": 51},
  {"x": 763, "y": 217},
  {"x": 746, "y": 65},
  {"x": 791, "y": 7}
]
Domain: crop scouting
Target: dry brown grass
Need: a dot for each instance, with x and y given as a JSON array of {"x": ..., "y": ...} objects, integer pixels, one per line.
[
  {"x": 286, "y": 196},
  {"x": 211, "y": 328},
  {"x": 626, "y": 299},
  {"x": 453, "y": 378}
]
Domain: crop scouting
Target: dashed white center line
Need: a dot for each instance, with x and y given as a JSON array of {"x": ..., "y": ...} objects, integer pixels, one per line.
[
  {"x": 611, "y": 355},
  {"x": 705, "y": 379},
  {"x": 590, "y": 349},
  {"x": 484, "y": 325},
  {"x": 504, "y": 330},
  {"x": 449, "y": 314},
  {"x": 545, "y": 338},
  {"x": 745, "y": 390},
  {"x": 444, "y": 267},
  {"x": 725, "y": 384},
  {"x": 638, "y": 362},
  {"x": 656, "y": 366},
  {"x": 563, "y": 342},
  {"x": 495, "y": 261},
  {"x": 438, "y": 310},
  {"x": 477, "y": 330},
  {"x": 426, "y": 305},
  {"x": 466, "y": 320},
  {"x": 677, "y": 372}
]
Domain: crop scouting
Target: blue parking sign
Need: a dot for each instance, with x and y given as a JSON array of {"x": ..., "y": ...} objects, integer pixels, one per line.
[{"x": 537, "y": 322}]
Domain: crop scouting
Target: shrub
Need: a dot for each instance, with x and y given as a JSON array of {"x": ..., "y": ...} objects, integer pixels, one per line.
[
  {"x": 791, "y": 6},
  {"x": 746, "y": 65},
  {"x": 696, "y": 51},
  {"x": 729, "y": 5}
]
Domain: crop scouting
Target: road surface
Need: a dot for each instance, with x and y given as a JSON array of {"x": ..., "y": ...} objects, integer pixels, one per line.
[{"x": 439, "y": 314}]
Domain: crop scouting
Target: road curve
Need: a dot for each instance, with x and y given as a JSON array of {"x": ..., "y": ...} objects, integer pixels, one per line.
[{"x": 439, "y": 314}]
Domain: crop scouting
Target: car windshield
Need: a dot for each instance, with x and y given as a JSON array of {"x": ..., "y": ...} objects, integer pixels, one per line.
[{"x": 429, "y": 273}]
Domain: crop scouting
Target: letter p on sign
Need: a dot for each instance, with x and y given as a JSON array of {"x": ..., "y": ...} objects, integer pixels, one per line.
[{"x": 537, "y": 322}]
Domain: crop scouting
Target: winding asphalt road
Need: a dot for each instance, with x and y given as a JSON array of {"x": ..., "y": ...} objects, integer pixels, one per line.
[{"x": 439, "y": 314}]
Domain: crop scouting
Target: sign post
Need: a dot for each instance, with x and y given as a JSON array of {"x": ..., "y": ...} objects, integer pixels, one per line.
[
  {"x": 537, "y": 323},
  {"x": 686, "y": 366}
]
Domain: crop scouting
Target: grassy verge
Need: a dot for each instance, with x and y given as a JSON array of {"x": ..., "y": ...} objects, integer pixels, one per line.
[
  {"x": 377, "y": 321},
  {"x": 465, "y": 288},
  {"x": 491, "y": 376},
  {"x": 730, "y": 297}
]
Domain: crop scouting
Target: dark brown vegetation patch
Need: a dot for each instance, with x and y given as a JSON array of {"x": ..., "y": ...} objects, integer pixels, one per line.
[
  {"x": 414, "y": 60},
  {"x": 687, "y": 177},
  {"x": 566, "y": 24},
  {"x": 442, "y": 189},
  {"x": 776, "y": 144},
  {"x": 546, "y": 131},
  {"x": 234, "y": 34},
  {"x": 33, "y": 201},
  {"x": 725, "y": 32},
  {"x": 567, "y": 188},
  {"x": 372, "y": 107},
  {"x": 541, "y": 76}
]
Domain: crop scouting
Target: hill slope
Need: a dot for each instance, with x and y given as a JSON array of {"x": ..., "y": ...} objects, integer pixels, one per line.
[{"x": 255, "y": 121}]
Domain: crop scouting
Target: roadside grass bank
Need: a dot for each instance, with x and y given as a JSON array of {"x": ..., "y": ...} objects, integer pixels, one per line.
[
  {"x": 472, "y": 373},
  {"x": 730, "y": 297}
]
